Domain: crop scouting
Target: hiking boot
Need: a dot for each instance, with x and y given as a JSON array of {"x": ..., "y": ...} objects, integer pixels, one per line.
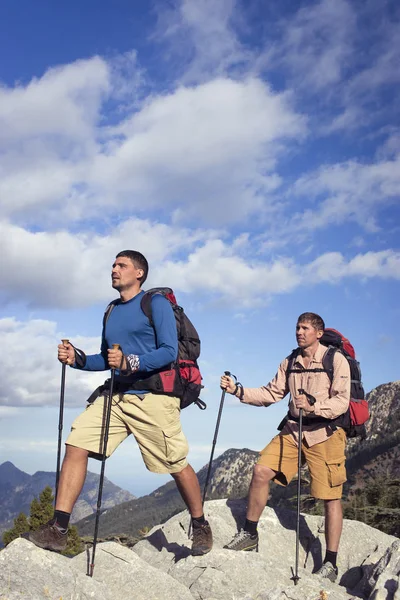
[
  {"x": 328, "y": 571},
  {"x": 202, "y": 539},
  {"x": 48, "y": 536},
  {"x": 243, "y": 540}
]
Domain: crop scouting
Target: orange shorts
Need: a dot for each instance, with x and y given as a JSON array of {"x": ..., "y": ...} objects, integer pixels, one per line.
[{"x": 326, "y": 463}]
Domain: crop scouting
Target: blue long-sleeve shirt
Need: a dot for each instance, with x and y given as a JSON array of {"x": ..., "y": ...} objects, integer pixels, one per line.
[{"x": 128, "y": 326}]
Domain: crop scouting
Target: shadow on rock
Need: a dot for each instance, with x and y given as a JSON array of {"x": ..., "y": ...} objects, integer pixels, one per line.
[{"x": 159, "y": 541}]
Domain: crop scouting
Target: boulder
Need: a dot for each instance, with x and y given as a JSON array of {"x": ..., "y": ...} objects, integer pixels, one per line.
[
  {"x": 161, "y": 567},
  {"x": 265, "y": 575}
]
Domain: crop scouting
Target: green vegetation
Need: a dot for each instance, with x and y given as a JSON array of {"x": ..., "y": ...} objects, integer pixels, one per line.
[
  {"x": 376, "y": 504},
  {"x": 41, "y": 511}
]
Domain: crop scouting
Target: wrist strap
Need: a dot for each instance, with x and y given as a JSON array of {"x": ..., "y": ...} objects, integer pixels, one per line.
[{"x": 238, "y": 388}]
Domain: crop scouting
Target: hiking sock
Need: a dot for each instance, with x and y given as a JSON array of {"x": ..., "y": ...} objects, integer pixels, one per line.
[
  {"x": 330, "y": 557},
  {"x": 251, "y": 527},
  {"x": 198, "y": 521},
  {"x": 61, "y": 520}
]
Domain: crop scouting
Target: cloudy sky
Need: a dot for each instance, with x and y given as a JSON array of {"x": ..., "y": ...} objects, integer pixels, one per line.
[{"x": 250, "y": 150}]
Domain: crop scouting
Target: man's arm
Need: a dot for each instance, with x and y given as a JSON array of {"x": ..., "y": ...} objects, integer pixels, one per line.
[
  {"x": 266, "y": 395},
  {"x": 336, "y": 402}
]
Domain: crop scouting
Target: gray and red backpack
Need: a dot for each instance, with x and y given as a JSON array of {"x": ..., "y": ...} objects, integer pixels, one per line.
[{"x": 354, "y": 419}]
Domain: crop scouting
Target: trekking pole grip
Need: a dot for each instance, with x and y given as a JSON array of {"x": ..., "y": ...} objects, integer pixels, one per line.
[
  {"x": 65, "y": 341},
  {"x": 310, "y": 398},
  {"x": 116, "y": 346}
]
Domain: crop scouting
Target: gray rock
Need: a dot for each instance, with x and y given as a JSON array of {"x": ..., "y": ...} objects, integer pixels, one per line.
[
  {"x": 381, "y": 581},
  {"x": 29, "y": 573},
  {"x": 161, "y": 567},
  {"x": 129, "y": 576},
  {"x": 267, "y": 574}
]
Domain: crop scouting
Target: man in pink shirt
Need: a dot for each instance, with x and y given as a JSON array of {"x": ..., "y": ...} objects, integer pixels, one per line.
[{"x": 323, "y": 441}]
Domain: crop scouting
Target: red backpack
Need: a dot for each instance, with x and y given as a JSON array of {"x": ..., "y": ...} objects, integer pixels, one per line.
[
  {"x": 183, "y": 378},
  {"x": 354, "y": 419}
]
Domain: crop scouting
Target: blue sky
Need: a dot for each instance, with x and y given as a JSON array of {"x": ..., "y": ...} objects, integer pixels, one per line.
[{"x": 251, "y": 152}]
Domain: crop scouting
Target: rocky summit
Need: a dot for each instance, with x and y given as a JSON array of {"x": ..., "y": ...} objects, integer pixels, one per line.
[{"x": 160, "y": 567}]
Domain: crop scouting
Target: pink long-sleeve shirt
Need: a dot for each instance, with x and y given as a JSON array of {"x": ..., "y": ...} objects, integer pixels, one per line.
[{"x": 332, "y": 400}]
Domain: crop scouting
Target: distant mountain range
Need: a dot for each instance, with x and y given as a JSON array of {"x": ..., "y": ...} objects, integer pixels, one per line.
[
  {"x": 373, "y": 459},
  {"x": 17, "y": 490}
]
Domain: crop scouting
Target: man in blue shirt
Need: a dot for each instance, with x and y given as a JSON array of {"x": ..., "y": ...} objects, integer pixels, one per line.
[{"x": 153, "y": 419}]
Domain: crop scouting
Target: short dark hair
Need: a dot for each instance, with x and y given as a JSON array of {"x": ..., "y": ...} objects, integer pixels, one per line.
[
  {"x": 138, "y": 260},
  {"x": 316, "y": 321}
]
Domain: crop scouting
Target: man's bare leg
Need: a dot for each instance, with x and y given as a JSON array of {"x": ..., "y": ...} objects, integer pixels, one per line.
[
  {"x": 72, "y": 477},
  {"x": 333, "y": 524},
  {"x": 259, "y": 491},
  {"x": 53, "y": 535},
  {"x": 189, "y": 488},
  {"x": 247, "y": 538},
  {"x": 333, "y": 530}
]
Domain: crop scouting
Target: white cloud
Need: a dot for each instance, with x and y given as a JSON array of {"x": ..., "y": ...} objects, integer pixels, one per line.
[
  {"x": 209, "y": 150},
  {"x": 65, "y": 270},
  {"x": 29, "y": 370},
  {"x": 317, "y": 43},
  {"x": 348, "y": 191},
  {"x": 196, "y": 151},
  {"x": 333, "y": 267},
  {"x": 64, "y": 102},
  {"x": 201, "y": 35}
]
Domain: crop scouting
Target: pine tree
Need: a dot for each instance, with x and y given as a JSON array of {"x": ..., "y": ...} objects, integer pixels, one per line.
[
  {"x": 21, "y": 525},
  {"x": 75, "y": 544},
  {"x": 42, "y": 509}
]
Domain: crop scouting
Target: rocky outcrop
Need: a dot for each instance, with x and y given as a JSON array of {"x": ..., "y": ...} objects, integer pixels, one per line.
[{"x": 161, "y": 566}]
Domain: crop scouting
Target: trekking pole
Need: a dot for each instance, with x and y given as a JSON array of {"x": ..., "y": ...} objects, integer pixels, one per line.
[
  {"x": 311, "y": 400},
  {"x": 227, "y": 373},
  {"x": 103, "y": 465},
  {"x": 60, "y": 422}
]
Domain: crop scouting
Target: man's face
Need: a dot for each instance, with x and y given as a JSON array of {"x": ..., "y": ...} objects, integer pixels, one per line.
[
  {"x": 124, "y": 274},
  {"x": 306, "y": 334}
]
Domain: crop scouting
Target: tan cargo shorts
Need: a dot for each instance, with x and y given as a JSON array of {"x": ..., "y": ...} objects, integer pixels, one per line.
[
  {"x": 154, "y": 421},
  {"x": 326, "y": 463}
]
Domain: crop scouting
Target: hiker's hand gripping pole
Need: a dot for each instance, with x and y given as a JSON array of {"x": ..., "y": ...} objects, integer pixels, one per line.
[
  {"x": 228, "y": 374},
  {"x": 311, "y": 400},
  {"x": 301, "y": 403},
  {"x": 103, "y": 463},
  {"x": 65, "y": 343}
]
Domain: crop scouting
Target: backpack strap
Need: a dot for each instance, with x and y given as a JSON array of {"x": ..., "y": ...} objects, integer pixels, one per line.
[
  {"x": 108, "y": 312},
  {"x": 327, "y": 364},
  {"x": 327, "y": 361},
  {"x": 326, "y": 368}
]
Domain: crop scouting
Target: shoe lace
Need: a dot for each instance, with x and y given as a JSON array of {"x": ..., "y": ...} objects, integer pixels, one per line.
[
  {"x": 239, "y": 537},
  {"x": 200, "y": 533},
  {"x": 326, "y": 569}
]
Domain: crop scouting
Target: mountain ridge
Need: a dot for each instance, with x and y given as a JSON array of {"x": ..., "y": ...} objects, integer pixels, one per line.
[{"x": 17, "y": 490}]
